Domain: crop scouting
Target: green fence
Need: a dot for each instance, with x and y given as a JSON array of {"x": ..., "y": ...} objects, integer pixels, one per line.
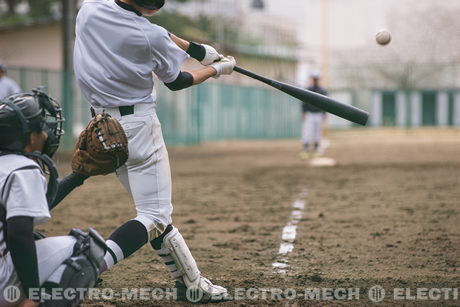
[
  {"x": 413, "y": 108},
  {"x": 74, "y": 109},
  {"x": 208, "y": 112},
  {"x": 215, "y": 111}
]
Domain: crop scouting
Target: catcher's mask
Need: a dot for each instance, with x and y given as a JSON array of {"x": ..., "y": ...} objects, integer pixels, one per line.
[
  {"x": 150, "y": 4},
  {"x": 21, "y": 114}
]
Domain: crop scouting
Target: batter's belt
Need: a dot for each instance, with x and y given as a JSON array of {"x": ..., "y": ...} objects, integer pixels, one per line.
[{"x": 118, "y": 112}]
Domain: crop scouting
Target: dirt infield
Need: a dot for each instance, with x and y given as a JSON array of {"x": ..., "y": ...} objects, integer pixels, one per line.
[{"x": 387, "y": 214}]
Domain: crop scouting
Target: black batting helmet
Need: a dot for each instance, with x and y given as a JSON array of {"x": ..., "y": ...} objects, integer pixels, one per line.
[
  {"x": 21, "y": 114},
  {"x": 150, "y": 4}
]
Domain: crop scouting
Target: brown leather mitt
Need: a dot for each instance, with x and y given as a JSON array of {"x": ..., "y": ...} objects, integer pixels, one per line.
[{"x": 101, "y": 148}]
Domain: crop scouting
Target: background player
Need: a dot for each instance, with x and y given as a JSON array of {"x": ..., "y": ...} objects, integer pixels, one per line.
[
  {"x": 116, "y": 51},
  {"x": 29, "y": 132},
  {"x": 313, "y": 121},
  {"x": 7, "y": 85}
]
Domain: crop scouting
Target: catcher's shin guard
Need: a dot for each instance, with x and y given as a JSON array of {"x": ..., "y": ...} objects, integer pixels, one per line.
[
  {"x": 188, "y": 270},
  {"x": 78, "y": 273}
]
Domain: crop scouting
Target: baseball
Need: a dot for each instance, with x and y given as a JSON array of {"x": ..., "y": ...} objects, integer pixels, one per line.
[{"x": 383, "y": 37}]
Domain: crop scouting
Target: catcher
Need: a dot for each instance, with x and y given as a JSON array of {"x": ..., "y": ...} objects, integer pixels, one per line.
[{"x": 30, "y": 130}]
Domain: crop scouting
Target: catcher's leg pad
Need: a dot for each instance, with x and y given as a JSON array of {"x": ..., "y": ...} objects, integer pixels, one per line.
[
  {"x": 38, "y": 236},
  {"x": 187, "y": 266},
  {"x": 80, "y": 271}
]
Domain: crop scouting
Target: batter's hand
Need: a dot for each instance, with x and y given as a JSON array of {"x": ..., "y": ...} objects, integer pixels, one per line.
[
  {"x": 225, "y": 66},
  {"x": 211, "y": 55}
]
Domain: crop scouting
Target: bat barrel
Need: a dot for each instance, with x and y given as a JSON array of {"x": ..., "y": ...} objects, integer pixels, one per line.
[
  {"x": 328, "y": 104},
  {"x": 325, "y": 103}
]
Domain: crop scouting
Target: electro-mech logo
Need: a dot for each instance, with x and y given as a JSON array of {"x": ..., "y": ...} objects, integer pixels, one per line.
[
  {"x": 11, "y": 294},
  {"x": 377, "y": 294},
  {"x": 194, "y": 295}
]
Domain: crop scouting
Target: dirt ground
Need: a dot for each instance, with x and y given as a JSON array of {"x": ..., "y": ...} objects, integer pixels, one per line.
[{"x": 387, "y": 214}]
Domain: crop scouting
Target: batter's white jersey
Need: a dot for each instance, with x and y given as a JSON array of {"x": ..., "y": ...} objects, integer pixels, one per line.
[
  {"x": 116, "y": 52},
  {"x": 23, "y": 193}
]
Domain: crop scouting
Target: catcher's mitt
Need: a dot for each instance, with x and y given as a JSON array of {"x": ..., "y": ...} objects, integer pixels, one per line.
[{"x": 101, "y": 148}]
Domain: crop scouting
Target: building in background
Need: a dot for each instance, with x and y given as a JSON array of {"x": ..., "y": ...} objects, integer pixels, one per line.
[{"x": 411, "y": 82}]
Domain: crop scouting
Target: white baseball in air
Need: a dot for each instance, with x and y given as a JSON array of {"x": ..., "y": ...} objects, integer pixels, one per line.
[{"x": 383, "y": 37}]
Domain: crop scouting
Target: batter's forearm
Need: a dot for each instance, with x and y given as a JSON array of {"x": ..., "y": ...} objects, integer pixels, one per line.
[
  {"x": 205, "y": 54},
  {"x": 203, "y": 74},
  {"x": 182, "y": 43},
  {"x": 187, "y": 79}
]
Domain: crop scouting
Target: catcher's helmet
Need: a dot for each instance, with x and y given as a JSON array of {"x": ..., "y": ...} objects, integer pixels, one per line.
[
  {"x": 23, "y": 113},
  {"x": 150, "y": 4}
]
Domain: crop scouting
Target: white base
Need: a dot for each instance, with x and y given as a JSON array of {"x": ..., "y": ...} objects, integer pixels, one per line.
[{"x": 323, "y": 162}]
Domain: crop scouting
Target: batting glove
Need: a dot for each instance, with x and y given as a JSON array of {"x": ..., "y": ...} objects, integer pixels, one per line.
[
  {"x": 211, "y": 55},
  {"x": 224, "y": 66}
]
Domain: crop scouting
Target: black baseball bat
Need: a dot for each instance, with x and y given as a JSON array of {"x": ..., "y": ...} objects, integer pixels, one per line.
[{"x": 327, "y": 104}]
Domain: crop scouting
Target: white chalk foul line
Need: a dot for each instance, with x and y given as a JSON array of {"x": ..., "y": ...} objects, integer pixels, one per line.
[{"x": 289, "y": 234}]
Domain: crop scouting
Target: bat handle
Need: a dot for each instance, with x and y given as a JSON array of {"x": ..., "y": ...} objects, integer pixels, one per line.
[
  {"x": 255, "y": 76},
  {"x": 243, "y": 71}
]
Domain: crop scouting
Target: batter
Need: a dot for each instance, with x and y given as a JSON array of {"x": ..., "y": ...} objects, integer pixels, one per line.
[{"x": 116, "y": 51}]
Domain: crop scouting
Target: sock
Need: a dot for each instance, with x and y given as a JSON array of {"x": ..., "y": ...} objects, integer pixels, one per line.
[
  {"x": 123, "y": 242},
  {"x": 316, "y": 146},
  {"x": 103, "y": 267},
  {"x": 165, "y": 255}
]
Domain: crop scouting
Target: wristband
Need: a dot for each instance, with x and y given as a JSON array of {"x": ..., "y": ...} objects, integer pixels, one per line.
[{"x": 196, "y": 51}]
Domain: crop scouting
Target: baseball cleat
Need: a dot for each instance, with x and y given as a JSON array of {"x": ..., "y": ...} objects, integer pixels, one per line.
[
  {"x": 212, "y": 293},
  {"x": 206, "y": 292}
]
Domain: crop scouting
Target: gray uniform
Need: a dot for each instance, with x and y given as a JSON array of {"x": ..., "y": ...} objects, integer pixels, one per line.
[
  {"x": 114, "y": 60},
  {"x": 23, "y": 191},
  {"x": 116, "y": 52},
  {"x": 8, "y": 87},
  {"x": 312, "y": 130}
]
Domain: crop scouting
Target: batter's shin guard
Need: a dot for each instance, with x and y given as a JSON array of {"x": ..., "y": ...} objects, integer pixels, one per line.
[
  {"x": 198, "y": 287},
  {"x": 78, "y": 273},
  {"x": 165, "y": 254}
]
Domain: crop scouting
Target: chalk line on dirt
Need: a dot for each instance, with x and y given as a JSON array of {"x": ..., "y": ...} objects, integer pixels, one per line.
[{"x": 289, "y": 234}]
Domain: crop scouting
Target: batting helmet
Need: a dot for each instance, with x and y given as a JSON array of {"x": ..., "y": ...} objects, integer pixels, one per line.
[
  {"x": 21, "y": 114},
  {"x": 150, "y": 4}
]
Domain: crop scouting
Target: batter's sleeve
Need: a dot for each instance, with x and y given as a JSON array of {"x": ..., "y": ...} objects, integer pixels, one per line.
[{"x": 167, "y": 56}]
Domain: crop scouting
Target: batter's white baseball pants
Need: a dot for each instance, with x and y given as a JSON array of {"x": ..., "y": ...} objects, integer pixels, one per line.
[{"x": 146, "y": 174}]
